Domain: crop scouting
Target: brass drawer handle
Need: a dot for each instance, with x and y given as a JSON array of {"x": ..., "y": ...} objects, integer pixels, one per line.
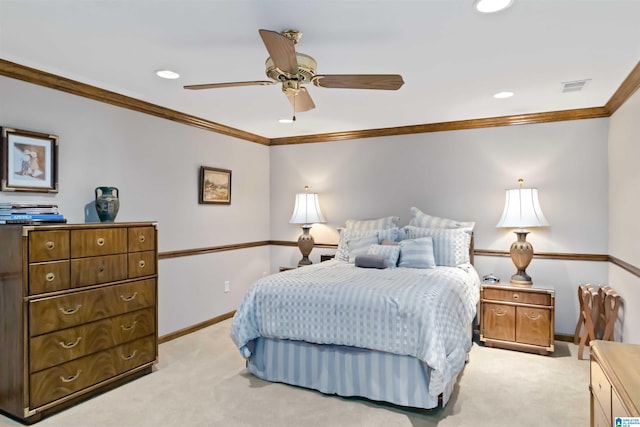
[
  {"x": 131, "y": 298},
  {"x": 129, "y": 357},
  {"x": 130, "y": 327},
  {"x": 516, "y": 296},
  {"x": 70, "y": 310},
  {"x": 100, "y": 241},
  {"x": 499, "y": 311},
  {"x": 71, "y": 344},
  {"x": 50, "y": 245},
  {"x": 141, "y": 263},
  {"x": 71, "y": 378},
  {"x": 141, "y": 238},
  {"x": 532, "y": 315},
  {"x": 50, "y": 277}
]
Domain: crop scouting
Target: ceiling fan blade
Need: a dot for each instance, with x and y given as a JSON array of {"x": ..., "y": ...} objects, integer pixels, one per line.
[
  {"x": 360, "y": 81},
  {"x": 281, "y": 50},
  {"x": 231, "y": 84},
  {"x": 302, "y": 101}
]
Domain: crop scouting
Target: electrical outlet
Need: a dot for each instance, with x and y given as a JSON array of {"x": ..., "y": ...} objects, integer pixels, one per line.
[{"x": 227, "y": 286}]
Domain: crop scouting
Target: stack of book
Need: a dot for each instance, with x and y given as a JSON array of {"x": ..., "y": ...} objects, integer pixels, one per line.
[{"x": 30, "y": 213}]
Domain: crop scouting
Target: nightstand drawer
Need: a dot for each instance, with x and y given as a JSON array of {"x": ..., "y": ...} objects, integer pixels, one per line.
[
  {"x": 517, "y": 296},
  {"x": 498, "y": 322},
  {"x": 532, "y": 326}
]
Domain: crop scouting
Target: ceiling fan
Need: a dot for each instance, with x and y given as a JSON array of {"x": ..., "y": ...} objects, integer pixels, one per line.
[{"x": 293, "y": 69}]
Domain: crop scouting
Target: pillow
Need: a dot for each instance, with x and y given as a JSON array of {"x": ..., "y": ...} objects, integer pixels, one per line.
[
  {"x": 450, "y": 245},
  {"x": 360, "y": 246},
  {"x": 417, "y": 253},
  {"x": 342, "y": 253},
  {"x": 372, "y": 224},
  {"x": 371, "y": 261},
  {"x": 388, "y": 252},
  {"x": 421, "y": 219}
]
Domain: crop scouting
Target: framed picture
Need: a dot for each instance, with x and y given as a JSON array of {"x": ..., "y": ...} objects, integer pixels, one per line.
[
  {"x": 29, "y": 161},
  {"x": 215, "y": 186}
]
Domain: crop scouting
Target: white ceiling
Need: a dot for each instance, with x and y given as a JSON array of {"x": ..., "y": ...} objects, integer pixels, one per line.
[{"x": 452, "y": 58}]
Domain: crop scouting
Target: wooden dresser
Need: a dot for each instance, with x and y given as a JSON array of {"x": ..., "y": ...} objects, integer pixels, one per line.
[
  {"x": 78, "y": 312},
  {"x": 517, "y": 318},
  {"x": 615, "y": 382}
]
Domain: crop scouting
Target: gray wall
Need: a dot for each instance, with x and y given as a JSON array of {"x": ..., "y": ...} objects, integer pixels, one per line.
[
  {"x": 155, "y": 165},
  {"x": 624, "y": 205}
]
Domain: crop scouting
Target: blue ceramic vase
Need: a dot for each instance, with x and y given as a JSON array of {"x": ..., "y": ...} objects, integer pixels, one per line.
[{"x": 107, "y": 203}]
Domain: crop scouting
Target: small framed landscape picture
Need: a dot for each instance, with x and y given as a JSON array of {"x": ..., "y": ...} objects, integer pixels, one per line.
[
  {"x": 215, "y": 186},
  {"x": 29, "y": 161}
]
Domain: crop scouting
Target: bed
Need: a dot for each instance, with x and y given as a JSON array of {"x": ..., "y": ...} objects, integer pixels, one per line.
[{"x": 399, "y": 335}]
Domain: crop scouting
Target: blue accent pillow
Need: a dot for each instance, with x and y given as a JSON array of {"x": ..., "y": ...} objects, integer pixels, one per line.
[{"x": 417, "y": 253}]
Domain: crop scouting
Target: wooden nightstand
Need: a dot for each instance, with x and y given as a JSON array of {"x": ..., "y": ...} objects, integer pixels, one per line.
[
  {"x": 287, "y": 268},
  {"x": 517, "y": 318}
]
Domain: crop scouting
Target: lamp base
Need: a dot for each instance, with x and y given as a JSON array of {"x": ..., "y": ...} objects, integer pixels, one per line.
[
  {"x": 521, "y": 254},
  {"x": 305, "y": 244}
]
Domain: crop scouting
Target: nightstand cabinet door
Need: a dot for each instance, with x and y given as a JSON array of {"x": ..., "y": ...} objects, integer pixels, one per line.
[
  {"x": 532, "y": 326},
  {"x": 499, "y": 322}
]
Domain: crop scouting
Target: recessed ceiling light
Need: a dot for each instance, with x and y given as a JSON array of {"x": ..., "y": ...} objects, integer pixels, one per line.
[
  {"x": 285, "y": 121},
  {"x": 503, "y": 95},
  {"x": 490, "y": 6},
  {"x": 167, "y": 74}
]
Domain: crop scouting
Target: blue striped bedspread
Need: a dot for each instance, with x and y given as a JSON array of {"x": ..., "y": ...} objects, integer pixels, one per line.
[{"x": 424, "y": 313}]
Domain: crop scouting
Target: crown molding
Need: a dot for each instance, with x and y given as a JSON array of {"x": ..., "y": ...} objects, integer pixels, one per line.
[
  {"x": 42, "y": 78},
  {"x": 52, "y": 81}
]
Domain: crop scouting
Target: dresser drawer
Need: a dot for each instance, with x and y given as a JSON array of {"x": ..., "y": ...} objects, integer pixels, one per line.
[
  {"x": 141, "y": 239},
  {"x": 600, "y": 388},
  {"x": 48, "y": 245},
  {"x": 523, "y": 297},
  {"x": 62, "y": 346},
  {"x": 142, "y": 264},
  {"x": 59, "y": 381},
  {"x": 54, "y": 313},
  {"x": 95, "y": 270},
  {"x": 48, "y": 277},
  {"x": 98, "y": 241}
]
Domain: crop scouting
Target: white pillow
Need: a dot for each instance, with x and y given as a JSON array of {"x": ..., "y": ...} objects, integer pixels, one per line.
[
  {"x": 389, "y": 252},
  {"x": 450, "y": 245},
  {"x": 360, "y": 246},
  {"x": 372, "y": 224},
  {"x": 421, "y": 219},
  {"x": 417, "y": 253}
]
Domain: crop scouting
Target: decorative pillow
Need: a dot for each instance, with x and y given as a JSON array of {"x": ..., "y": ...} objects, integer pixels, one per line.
[
  {"x": 342, "y": 253},
  {"x": 450, "y": 245},
  {"x": 389, "y": 252},
  {"x": 372, "y": 224},
  {"x": 371, "y": 261},
  {"x": 421, "y": 219},
  {"x": 360, "y": 246},
  {"x": 417, "y": 253}
]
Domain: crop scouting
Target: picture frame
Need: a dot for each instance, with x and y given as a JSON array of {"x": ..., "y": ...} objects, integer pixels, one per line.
[
  {"x": 29, "y": 161},
  {"x": 214, "y": 186}
]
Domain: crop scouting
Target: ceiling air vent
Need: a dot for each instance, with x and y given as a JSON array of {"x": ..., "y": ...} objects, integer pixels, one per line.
[{"x": 575, "y": 86}]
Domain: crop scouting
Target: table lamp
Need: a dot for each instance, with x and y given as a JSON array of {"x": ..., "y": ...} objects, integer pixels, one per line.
[
  {"x": 522, "y": 210},
  {"x": 306, "y": 212}
]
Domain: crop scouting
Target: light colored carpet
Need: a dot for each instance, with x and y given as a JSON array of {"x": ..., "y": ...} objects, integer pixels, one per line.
[{"x": 201, "y": 380}]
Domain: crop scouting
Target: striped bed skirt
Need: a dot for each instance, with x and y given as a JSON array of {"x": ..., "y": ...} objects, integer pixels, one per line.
[{"x": 346, "y": 371}]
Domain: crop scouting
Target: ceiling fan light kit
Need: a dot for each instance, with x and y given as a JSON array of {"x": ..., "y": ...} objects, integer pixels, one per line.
[{"x": 293, "y": 69}]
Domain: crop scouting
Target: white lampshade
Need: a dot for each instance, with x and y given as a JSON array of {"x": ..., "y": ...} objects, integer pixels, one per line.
[
  {"x": 307, "y": 209},
  {"x": 522, "y": 209}
]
